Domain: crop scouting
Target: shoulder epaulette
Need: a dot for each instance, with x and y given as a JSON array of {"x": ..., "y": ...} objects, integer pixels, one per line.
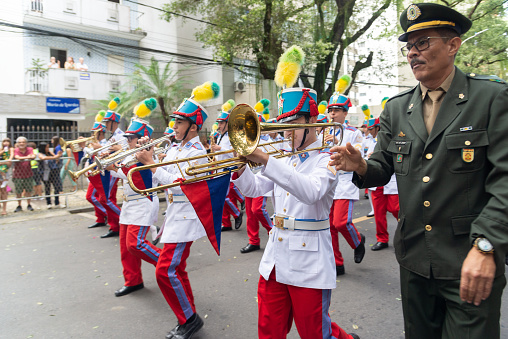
[
  {"x": 486, "y": 77},
  {"x": 402, "y": 93},
  {"x": 197, "y": 145}
]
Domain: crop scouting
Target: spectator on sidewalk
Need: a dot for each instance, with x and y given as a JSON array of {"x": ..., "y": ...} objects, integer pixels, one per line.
[
  {"x": 36, "y": 172},
  {"x": 68, "y": 165},
  {"x": 53, "y": 63},
  {"x": 81, "y": 66},
  {"x": 6, "y": 154},
  {"x": 22, "y": 172},
  {"x": 50, "y": 173}
]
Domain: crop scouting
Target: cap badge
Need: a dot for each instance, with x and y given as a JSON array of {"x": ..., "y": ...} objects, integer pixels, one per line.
[
  {"x": 280, "y": 103},
  {"x": 413, "y": 12},
  {"x": 401, "y": 134},
  {"x": 461, "y": 96}
]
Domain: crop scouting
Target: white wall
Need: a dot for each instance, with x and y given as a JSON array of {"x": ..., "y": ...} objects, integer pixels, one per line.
[{"x": 11, "y": 44}]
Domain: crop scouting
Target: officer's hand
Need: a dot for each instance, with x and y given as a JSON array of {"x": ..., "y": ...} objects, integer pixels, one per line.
[
  {"x": 348, "y": 158},
  {"x": 477, "y": 276}
]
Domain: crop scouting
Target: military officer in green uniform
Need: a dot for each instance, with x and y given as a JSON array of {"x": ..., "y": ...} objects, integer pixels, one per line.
[{"x": 445, "y": 139}]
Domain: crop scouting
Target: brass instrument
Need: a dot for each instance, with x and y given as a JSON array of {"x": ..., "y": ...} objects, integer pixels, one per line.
[
  {"x": 99, "y": 150},
  {"x": 244, "y": 133},
  {"x": 157, "y": 150},
  {"x": 74, "y": 144}
]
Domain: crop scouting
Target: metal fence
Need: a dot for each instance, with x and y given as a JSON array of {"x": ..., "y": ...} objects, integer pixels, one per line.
[
  {"x": 38, "y": 180},
  {"x": 39, "y": 134}
]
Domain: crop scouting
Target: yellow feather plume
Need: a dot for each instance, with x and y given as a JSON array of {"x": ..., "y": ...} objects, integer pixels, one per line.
[
  {"x": 206, "y": 91},
  {"x": 289, "y": 67},
  {"x": 343, "y": 83}
]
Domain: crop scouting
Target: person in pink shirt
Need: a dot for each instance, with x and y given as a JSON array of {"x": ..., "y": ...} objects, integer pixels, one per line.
[{"x": 22, "y": 172}]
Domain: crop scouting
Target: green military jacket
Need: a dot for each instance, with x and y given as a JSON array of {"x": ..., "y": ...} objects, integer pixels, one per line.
[{"x": 453, "y": 183}]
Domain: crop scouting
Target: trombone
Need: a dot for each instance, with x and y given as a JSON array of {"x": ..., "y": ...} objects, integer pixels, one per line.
[
  {"x": 100, "y": 165},
  {"x": 244, "y": 133},
  {"x": 74, "y": 144}
]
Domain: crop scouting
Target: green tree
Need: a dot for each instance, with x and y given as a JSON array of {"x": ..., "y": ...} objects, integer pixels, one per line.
[
  {"x": 485, "y": 53},
  {"x": 159, "y": 82},
  {"x": 264, "y": 28}
]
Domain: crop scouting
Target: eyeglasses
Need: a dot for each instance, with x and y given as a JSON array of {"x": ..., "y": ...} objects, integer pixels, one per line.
[{"x": 420, "y": 45}]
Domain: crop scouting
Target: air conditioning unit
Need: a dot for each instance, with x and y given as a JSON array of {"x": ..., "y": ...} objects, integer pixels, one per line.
[
  {"x": 112, "y": 15},
  {"x": 70, "y": 7},
  {"x": 239, "y": 86},
  {"x": 71, "y": 83},
  {"x": 114, "y": 86}
]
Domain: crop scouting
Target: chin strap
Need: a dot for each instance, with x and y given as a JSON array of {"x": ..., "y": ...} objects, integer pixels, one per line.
[
  {"x": 187, "y": 132},
  {"x": 305, "y": 132}
]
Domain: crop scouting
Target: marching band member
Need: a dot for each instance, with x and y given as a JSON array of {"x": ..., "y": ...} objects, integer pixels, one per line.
[
  {"x": 341, "y": 213},
  {"x": 92, "y": 194},
  {"x": 181, "y": 226},
  {"x": 223, "y": 144},
  {"x": 255, "y": 208},
  {"x": 112, "y": 120},
  {"x": 297, "y": 269},
  {"x": 384, "y": 199},
  {"x": 138, "y": 212}
]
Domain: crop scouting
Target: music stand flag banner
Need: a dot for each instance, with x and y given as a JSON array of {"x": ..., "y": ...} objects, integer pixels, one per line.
[
  {"x": 101, "y": 182},
  {"x": 141, "y": 179},
  {"x": 207, "y": 198}
]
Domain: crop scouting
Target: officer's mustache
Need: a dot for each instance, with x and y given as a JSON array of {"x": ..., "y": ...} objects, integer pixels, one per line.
[{"x": 416, "y": 61}]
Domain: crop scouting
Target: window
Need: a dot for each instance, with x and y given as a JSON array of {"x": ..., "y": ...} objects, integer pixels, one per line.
[{"x": 60, "y": 55}]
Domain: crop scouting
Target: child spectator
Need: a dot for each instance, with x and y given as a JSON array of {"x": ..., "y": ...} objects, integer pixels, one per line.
[
  {"x": 6, "y": 154},
  {"x": 37, "y": 175}
]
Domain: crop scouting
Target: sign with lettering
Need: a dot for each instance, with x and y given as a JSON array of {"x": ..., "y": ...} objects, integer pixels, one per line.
[{"x": 62, "y": 105}]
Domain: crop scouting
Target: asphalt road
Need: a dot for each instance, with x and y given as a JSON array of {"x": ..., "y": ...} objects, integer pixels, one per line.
[{"x": 58, "y": 280}]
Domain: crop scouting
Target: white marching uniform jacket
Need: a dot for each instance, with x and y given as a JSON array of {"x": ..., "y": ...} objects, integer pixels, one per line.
[
  {"x": 138, "y": 210},
  {"x": 391, "y": 186},
  {"x": 181, "y": 223},
  {"x": 303, "y": 187},
  {"x": 225, "y": 144},
  {"x": 119, "y": 135},
  {"x": 345, "y": 188}
]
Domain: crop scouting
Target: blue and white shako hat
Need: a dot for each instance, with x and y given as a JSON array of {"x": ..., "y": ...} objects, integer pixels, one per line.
[
  {"x": 169, "y": 131},
  {"x": 373, "y": 122},
  {"x": 293, "y": 102},
  {"x": 226, "y": 110},
  {"x": 111, "y": 115},
  {"x": 98, "y": 126},
  {"x": 139, "y": 126},
  {"x": 191, "y": 110},
  {"x": 338, "y": 99},
  {"x": 321, "y": 118}
]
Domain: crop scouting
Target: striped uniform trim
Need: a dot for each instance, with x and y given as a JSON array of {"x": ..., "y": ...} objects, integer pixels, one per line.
[
  {"x": 428, "y": 24},
  {"x": 176, "y": 284},
  {"x": 143, "y": 246},
  {"x": 111, "y": 205},
  {"x": 97, "y": 203},
  {"x": 265, "y": 213},
  {"x": 349, "y": 225}
]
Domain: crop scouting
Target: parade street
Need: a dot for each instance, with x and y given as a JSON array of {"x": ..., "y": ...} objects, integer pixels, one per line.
[{"x": 59, "y": 277}]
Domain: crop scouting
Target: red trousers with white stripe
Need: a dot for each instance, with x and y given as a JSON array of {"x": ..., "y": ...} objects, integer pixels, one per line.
[
  {"x": 230, "y": 207},
  {"x": 255, "y": 208},
  {"x": 92, "y": 195},
  {"x": 341, "y": 221},
  {"x": 133, "y": 248},
  {"x": 173, "y": 280},
  {"x": 112, "y": 209},
  {"x": 279, "y": 304},
  {"x": 384, "y": 203}
]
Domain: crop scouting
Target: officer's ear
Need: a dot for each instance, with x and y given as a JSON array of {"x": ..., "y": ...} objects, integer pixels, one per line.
[{"x": 454, "y": 45}]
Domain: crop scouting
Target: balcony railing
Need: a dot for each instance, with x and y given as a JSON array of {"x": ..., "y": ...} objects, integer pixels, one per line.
[
  {"x": 69, "y": 83},
  {"x": 36, "y": 6}
]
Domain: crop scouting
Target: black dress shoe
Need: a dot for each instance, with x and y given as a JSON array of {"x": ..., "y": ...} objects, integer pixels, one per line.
[
  {"x": 110, "y": 234},
  {"x": 340, "y": 270},
  {"x": 250, "y": 248},
  {"x": 242, "y": 206},
  {"x": 225, "y": 229},
  {"x": 97, "y": 224},
  {"x": 354, "y": 335},
  {"x": 128, "y": 289},
  {"x": 360, "y": 250},
  {"x": 238, "y": 221},
  {"x": 379, "y": 246},
  {"x": 187, "y": 330}
]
